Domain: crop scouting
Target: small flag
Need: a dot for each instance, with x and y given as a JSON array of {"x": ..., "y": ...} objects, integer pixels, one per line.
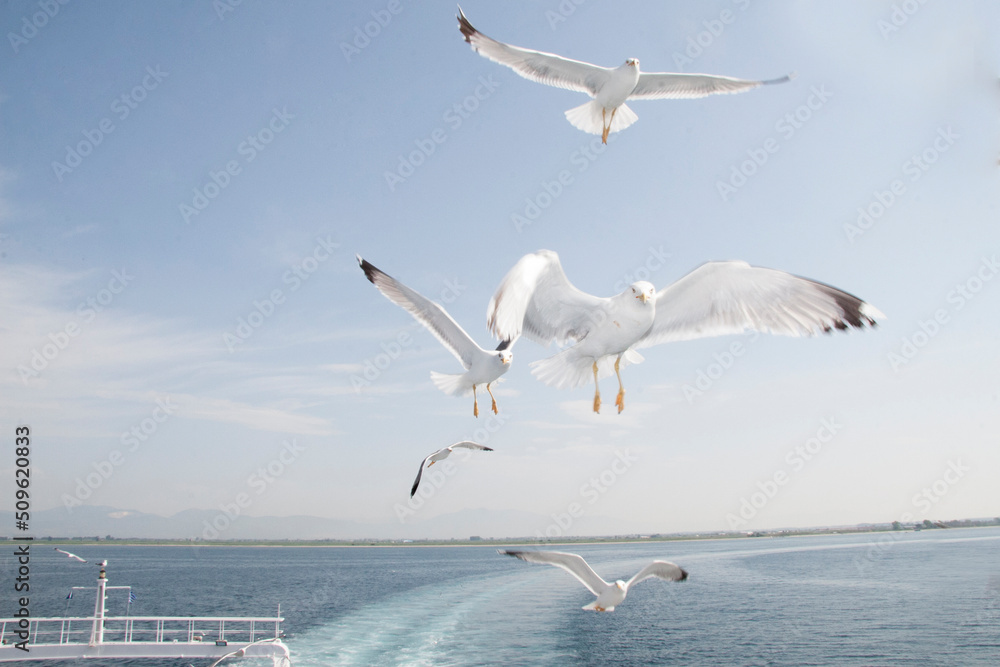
[{"x": 70, "y": 596}]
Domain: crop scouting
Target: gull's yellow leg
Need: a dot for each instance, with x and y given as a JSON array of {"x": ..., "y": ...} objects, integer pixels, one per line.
[
  {"x": 494, "y": 399},
  {"x": 597, "y": 392},
  {"x": 475, "y": 402},
  {"x": 620, "y": 401}
]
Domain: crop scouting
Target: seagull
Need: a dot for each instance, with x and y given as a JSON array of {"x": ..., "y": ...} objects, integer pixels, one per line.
[
  {"x": 610, "y": 87},
  {"x": 72, "y": 556},
  {"x": 482, "y": 367},
  {"x": 242, "y": 651},
  {"x": 443, "y": 454},
  {"x": 535, "y": 299},
  {"x": 608, "y": 595}
]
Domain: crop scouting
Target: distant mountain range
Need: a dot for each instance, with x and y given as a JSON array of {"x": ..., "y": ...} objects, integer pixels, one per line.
[{"x": 209, "y": 525}]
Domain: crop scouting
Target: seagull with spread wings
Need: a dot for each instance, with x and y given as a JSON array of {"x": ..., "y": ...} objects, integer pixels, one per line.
[
  {"x": 71, "y": 556},
  {"x": 443, "y": 454},
  {"x": 610, "y": 87},
  {"x": 608, "y": 595},
  {"x": 535, "y": 299},
  {"x": 483, "y": 367}
]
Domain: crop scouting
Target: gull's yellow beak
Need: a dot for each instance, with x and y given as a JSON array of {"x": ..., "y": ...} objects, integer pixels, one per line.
[{"x": 643, "y": 297}]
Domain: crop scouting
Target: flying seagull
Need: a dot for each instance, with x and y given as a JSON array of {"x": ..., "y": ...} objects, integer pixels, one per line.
[
  {"x": 443, "y": 454},
  {"x": 72, "y": 556},
  {"x": 239, "y": 653},
  {"x": 535, "y": 299},
  {"x": 482, "y": 367},
  {"x": 610, "y": 87},
  {"x": 608, "y": 595}
]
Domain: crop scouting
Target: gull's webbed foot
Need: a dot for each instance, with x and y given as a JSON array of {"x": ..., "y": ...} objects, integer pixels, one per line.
[
  {"x": 495, "y": 411},
  {"x": 620, "y": 400}
]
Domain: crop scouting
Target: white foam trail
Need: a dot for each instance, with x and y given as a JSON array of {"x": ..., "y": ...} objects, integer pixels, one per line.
[{"x": 412, "y": 628}]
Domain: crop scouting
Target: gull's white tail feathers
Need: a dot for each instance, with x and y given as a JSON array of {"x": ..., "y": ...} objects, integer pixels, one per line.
[
  {"x": 451, "y": 384},
  {"x": 593, "y": 605},
  {"x": 587, "y": 117},
  {"x": 569, "y": 369}
]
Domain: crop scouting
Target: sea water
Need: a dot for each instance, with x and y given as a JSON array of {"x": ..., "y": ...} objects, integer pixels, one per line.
[{"x": 924, "y": 598}]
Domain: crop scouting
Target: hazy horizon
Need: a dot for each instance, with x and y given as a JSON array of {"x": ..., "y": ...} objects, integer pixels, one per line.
[{"x": 210, "y": 526}]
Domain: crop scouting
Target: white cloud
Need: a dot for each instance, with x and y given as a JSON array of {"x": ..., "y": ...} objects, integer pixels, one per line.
[{"x": 66, "y": 361}]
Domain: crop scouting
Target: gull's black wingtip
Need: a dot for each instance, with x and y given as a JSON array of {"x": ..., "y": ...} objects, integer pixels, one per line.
[
  {"x": 684, "y": 575},
  {"x": 370, "y": 269},
  {"x": 464, "y": 26},
  {"x": 783, "y": 79},
  {"x": 416, "y": 482},
  {"x": 504, "y": 344}
]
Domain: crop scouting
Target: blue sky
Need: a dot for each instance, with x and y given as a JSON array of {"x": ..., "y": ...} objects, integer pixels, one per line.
[{"x": 183, "y": 188}]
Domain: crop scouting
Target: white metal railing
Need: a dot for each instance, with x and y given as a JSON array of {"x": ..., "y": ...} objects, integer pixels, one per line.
[{"x": 144, "y": 629}]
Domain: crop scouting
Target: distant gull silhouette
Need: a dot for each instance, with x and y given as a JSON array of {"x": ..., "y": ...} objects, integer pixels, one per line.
[
  {"x": 443, "y": 454},
  {"x": 72, "y": 556}
]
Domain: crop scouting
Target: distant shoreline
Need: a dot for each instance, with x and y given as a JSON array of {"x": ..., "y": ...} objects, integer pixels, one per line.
[{"x": 517, "y": 541}]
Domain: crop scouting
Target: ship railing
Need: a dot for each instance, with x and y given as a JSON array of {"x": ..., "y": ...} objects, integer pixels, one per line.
[{"x": 144, "y": 629}]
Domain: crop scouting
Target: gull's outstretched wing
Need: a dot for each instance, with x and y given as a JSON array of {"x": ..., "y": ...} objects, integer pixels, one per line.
[
  {"x": 535, "y": 299},
  {"x": 572, "y": 563},
  {"x": 428, "y": 313},
  {"x": 538, "y": 66},
  {"x": 420, "y": 473},
  {"x": 658, "y": 568},
  {"x": 721, "y": 298},
  {"x": 668, "y": 85},
  {"x": 468, "y": 444}
]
